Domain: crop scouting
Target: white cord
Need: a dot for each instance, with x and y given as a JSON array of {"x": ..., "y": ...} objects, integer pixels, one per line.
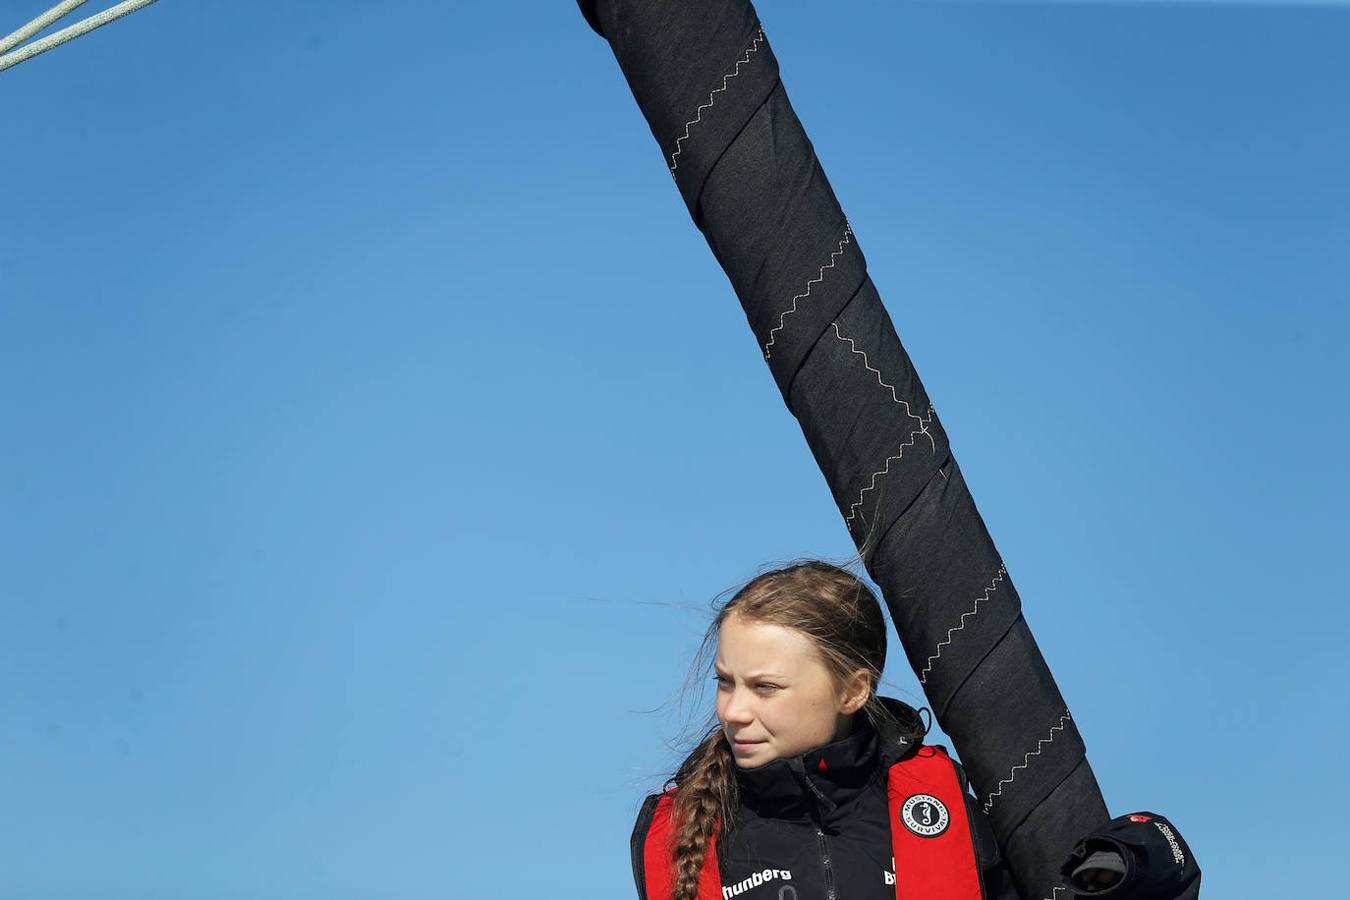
[
  {"x": 26, "y": 31},
  {"x": 84, "y": 26}
]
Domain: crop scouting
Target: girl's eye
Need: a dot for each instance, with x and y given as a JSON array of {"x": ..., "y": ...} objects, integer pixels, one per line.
[{"x": 766, "y": 687}]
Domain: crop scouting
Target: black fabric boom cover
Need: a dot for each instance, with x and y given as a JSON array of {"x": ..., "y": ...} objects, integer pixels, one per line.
[{"x": 707, "y": 82}]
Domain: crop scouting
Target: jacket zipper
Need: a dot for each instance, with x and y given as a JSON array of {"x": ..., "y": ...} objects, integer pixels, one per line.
[{"x": 825, "y": 864}]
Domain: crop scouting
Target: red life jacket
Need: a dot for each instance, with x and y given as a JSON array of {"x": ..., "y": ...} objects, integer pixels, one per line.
[{"x": 933, "y": 845}]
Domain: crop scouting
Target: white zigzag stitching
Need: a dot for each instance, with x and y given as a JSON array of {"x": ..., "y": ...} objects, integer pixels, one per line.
[
  {"x": 674, "y": 163},
  {"x": 923, "y": 426},
  {"x": 1002, "y": 571},
  {"x": 1026, "y": 761},
  {"x": 853, "y": 509},
  {"x": 773, "y": 334},
  {"x": 1055, "y": 893}
]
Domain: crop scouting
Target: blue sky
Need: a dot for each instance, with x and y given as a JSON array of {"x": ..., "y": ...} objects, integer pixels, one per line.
[{"x": 377, "y": 428}]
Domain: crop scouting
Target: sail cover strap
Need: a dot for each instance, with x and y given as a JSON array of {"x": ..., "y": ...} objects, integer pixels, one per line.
[{"x": 706, "y": 80}]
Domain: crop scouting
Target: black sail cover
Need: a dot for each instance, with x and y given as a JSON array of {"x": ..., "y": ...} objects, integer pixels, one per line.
[{"x": 705, "y": 78}]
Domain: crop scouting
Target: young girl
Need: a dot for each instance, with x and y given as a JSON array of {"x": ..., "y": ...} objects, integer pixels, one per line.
[{"x": 813, "y": 787}]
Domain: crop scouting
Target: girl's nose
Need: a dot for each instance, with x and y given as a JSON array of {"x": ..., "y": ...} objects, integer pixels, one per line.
[{"x": 737, "y": 710}]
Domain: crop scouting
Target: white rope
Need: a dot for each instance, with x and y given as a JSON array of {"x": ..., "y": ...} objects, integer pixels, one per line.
[
  {"x": 84, "y": 26},
  {"x": 26, "y": 31}
]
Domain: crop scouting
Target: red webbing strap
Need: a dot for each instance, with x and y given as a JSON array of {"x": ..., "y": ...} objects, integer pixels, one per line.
[
  {"x": 658, "y": 852},
  {"x": 934, "y": 850}
]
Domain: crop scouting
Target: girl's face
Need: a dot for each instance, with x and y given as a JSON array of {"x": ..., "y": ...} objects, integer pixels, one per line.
[{"x": 775, "y": 697}]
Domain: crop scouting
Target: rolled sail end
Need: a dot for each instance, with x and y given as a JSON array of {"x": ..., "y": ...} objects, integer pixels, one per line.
[{"x": 592, "y": 19}]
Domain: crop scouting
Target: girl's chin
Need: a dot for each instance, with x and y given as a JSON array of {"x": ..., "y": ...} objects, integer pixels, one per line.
[{"x": 752, "y": 756}]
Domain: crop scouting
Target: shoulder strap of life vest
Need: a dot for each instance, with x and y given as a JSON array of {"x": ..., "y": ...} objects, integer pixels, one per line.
[
  {"x": 930, "y": 832},
  {"x": 658, "y": 854}
]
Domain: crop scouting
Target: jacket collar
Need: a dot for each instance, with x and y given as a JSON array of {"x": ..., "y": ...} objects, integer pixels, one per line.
[
  {"x": 903, "y": 734},
  {"x": 821, "y": 781}
]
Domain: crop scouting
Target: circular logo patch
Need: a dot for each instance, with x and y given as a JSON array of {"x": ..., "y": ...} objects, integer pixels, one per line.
[{"x": 924, "y": 815}]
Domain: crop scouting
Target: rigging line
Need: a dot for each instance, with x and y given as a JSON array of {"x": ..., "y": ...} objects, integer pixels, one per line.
[
  {"x": 84, "y": 26},
  {"x": 24, "y": 32}
]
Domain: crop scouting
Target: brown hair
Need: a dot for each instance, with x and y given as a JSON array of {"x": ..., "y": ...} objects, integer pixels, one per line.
[{"x": 841, "y": 615}]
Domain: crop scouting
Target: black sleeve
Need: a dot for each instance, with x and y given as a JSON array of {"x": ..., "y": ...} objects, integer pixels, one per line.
[{"x": 638, "y": 842}]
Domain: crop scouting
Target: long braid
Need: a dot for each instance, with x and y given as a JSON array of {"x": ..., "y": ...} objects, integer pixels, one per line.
[{"x": 706, "y": 795}]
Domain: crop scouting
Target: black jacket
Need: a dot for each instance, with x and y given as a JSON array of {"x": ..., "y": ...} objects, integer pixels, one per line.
[{"x": 822, "y": 832}]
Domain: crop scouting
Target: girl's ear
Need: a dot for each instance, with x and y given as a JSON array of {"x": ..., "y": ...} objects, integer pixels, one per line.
[{"x": 856, "y": 691}]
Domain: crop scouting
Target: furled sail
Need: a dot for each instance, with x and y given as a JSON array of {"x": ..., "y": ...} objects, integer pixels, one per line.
[{"x": 705, "y": 78}]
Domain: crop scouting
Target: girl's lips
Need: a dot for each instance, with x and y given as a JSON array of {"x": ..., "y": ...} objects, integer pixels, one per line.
[{"x": 745, "y": 745}]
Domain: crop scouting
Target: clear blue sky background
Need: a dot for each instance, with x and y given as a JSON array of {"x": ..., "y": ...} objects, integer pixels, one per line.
[{"x": 377, "y": 428}]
